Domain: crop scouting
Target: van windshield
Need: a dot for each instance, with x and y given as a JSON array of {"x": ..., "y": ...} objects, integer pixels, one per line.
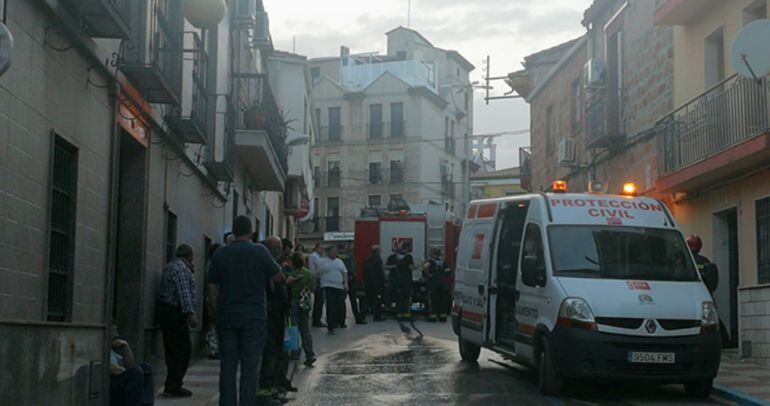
[{"x": 620, "y": 253}]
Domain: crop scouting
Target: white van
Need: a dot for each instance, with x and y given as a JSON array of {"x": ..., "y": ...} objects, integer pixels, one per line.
[{"x": 585, "y": 286}]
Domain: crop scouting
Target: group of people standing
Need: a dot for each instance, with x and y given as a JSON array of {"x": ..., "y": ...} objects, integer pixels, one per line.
[{"x": 256, "y": 288}]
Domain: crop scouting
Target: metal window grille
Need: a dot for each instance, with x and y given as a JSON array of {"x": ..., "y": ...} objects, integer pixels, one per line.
[
  {"x": 61, "y": 254},
  {"x": 763, "y": 240}
]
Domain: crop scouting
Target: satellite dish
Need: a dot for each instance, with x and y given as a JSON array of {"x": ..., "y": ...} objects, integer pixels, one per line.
[{"x": 751, "y": 50}]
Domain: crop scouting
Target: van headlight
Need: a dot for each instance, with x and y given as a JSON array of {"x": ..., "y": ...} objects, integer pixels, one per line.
[
  {"x": 709, "y": 322},
  {"x": 575, "y": 312}
]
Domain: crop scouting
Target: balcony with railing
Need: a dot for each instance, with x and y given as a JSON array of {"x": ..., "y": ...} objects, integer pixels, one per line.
[
  {"x": 720, "y": 134},
  {"x": 153, "y": 58},
  {"x": 102, "y": 18},
  {"x": 331, "y": 224},
  {"x": 331, "y": 179},
  {"x": 381, "y": 130},
  {"x": 220, "y": 161},
  {"x": 396, "y": 174},
  {"x": 364, "y": 70},
  {"x": 330, "y": 134},
  {"x": 261, "y": 131},
  {"x": 605, "y": 120},
  {"x": 190, "y": 120}
]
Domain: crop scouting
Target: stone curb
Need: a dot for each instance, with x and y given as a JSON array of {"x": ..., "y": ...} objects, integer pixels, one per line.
[{"x": 743, "y": 399}]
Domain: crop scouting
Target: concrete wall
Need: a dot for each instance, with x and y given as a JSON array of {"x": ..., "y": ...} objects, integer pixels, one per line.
[{"x": 689, "y": 42}]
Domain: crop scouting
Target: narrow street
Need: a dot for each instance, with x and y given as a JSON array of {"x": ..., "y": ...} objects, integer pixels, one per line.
[{"x": 377, "y": 364}]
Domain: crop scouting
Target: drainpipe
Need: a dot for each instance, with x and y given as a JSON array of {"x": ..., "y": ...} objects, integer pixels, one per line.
[{"x": 112, "y": 217}]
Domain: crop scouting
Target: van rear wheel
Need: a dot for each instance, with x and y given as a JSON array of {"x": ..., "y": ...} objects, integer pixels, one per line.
[
  {"x": 699, "y": 389},
  {"x": 469, "y": 351},
  {"x": 548, "y": 379}
]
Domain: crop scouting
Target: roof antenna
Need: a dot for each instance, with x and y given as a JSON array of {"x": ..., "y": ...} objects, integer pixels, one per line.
[{"x": 409, "y": 14}]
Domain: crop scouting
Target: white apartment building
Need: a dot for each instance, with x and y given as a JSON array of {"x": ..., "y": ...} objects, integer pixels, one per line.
[{"x": 394, "y": 125}]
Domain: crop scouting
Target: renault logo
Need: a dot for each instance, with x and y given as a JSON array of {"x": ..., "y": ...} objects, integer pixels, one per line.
[
  {"x": 645, "y": 299},
  {"x": 650, "y": 326}
]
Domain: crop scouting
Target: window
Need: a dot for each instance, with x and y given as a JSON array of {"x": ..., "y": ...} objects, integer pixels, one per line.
[
  {"x": 621, "y": 253},
  {"x": 375, "y": 172},
  {"x": 335, "y": 124},
  {"x": 395, "y": 197},
  {"x": 577, "y": 104},
  {"x": 316, "y": 211},
  {"x": 170, "y": 235},
  {"x": 763, "y": 240},
  {"x": 397, "y": 119},
  {"x": 375, "y": 201},
  {"x": 375, "y": 121},
  {"x": 61, "y": 255},
  {"x": 757, "y": 10},
  {"x": 715, "y": 58},
  {"x": 2, "y": 9},
  {"x": 315, "y": 74},
  {"x": 317, "y": 176},
  {"x": 396, "y": 172},
  {"x": 236, "y": 200},
  {"x": 447, "y": 140},
  {"x": 268, "y": 222},
  {"x": 318, "y": 117},
  {"x": 533, "y": 245},
  {"x": 332, "y": 213},
  {"x": 335, "y": 174}
]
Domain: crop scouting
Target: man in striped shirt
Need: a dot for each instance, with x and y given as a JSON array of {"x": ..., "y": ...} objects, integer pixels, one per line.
[{"x": 176, "y": 314}]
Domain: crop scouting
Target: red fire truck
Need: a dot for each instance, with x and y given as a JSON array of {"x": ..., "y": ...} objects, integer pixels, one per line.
[{"x": 422, "y": 227}]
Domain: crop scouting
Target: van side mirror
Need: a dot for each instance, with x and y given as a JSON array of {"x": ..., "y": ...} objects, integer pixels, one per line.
[
  {"x": 710, "y": 276},
  {"x": 531, "y": 274}
]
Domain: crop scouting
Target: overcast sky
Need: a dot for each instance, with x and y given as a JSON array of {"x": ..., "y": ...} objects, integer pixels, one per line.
[{"x": 507, "y": 30}]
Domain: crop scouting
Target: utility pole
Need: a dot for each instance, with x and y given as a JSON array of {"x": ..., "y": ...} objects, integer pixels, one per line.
[{"x": 409, "y": 14}]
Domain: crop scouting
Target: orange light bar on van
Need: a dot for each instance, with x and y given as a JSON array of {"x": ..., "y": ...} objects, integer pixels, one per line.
[
  {"x": 629, "y": 189},
  {"x": 560, "y": 186}
]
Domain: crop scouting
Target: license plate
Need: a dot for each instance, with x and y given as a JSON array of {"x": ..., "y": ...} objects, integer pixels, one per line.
[{"x": 651, "y": 357}]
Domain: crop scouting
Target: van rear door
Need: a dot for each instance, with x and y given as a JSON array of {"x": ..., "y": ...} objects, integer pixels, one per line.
[
  {"x": 504, "y": 271},
  {"x": 473, "y": 273}
]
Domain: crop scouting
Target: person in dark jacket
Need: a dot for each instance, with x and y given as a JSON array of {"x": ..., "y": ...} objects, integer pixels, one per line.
[
  {"x": 354, "y": 292},
  {"x": 374, "y": 284},
  {"x": 272, "y": 378},
  {"x": 435, "y": 270},
  {"x": 403, "y": 282}
]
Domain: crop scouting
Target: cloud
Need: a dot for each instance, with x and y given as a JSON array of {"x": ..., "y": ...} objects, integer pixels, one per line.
[{"x": 508, "y": 30}]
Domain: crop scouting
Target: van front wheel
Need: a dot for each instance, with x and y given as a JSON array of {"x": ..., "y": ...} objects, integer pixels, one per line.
[
  {"x": 548, "y": 379},
  {"x": 699, "y": 389},
  {"x": 469, "y": 351}
]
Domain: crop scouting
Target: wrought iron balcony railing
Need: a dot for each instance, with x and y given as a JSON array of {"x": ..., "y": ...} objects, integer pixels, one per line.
[
  {"x": 732, "y": 111},
  {"x": 380, "y": 130}
]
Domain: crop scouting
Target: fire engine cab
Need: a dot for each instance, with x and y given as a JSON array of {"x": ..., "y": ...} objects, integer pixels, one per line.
[
  {"x": 585, "y": 286},
  {"x": 421, "y": 228}
]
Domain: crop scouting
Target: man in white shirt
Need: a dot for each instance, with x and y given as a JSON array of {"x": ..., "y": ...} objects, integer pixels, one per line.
[
  {"x": 315, "y": 258},
  {"x": 334, "y": 282}
]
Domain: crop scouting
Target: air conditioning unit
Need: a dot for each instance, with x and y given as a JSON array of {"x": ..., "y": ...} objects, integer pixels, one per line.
[
  {"x": 593, "y": 73},
  {"x": 567, "y": 152},
  {"x": 262, "y": 30}
]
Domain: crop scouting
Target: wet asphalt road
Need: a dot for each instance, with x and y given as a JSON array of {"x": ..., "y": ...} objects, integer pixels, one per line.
[{"x": 377, "y": 364}]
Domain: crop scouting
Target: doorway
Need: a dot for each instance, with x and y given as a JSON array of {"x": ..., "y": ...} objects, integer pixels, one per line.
[
  {"x": 726, "y": 258},
  {"x": 511, "y": 229},
  {"x": 129, "y": 245}
]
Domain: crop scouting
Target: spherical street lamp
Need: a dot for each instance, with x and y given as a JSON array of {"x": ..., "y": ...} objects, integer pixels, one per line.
[{"x": 204, "y": 13}]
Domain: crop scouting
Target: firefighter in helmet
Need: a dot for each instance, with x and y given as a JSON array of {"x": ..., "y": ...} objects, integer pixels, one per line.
[
  {"x": 435, "y": 275},
  {"x": 695, "y": 244}
]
